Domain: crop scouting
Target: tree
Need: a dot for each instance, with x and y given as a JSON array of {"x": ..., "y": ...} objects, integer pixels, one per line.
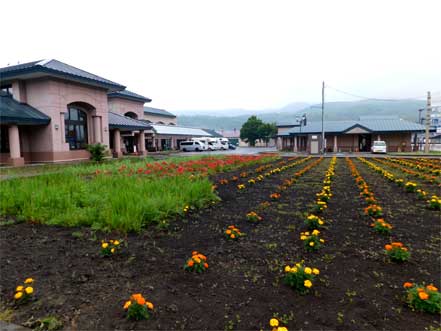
[
  {"x": 267, "y": 131},
  {"x": 251, "y": 131}
]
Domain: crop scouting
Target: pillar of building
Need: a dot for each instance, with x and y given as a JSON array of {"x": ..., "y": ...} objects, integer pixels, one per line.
[
  {"x": 62, "y": 127},
  {"x": 295, "y": 149},
  {"x": 335, "y": 148},
  {"x": 15, "y": 158},
  {"x": 117, "y": 152},
  {"x": 141, "y": 138},
  {"x": 96, "y": 130}
]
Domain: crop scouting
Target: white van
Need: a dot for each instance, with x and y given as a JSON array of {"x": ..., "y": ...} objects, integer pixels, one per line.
[
  {"x": 191, "y": 146},
  {"x": 224, "y": 143},
  {"x": 214, "y": 144},
  {"x": 379, "y": 146},
  {"x": 203, "y": 141}
]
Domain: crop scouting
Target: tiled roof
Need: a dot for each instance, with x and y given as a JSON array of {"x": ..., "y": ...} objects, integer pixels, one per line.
[
  {"x": 58, "y": 69},
  {"x": 125, "y": 94},
  {"x": 117, "y": 121},
  {"x": 371, "y": 124},
  {"x": 156, "y": 111},
  {"x": 175, "y": 130},
  {"x": 14, "y": 112}
]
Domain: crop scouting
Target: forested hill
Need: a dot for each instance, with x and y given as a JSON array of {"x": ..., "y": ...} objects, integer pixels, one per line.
[{"x": 407, "y": 109}]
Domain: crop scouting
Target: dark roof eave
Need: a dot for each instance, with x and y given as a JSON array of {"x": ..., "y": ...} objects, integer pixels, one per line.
[
  {"x": 14, "y": 73},
  {"x": 128, "y": 127},
  {"x": 23, "y": 121}
]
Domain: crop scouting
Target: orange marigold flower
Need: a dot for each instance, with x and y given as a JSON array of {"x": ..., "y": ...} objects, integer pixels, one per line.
[
  {"x": 194, "y": 253},
  {"x": 423, "y": 295},
  {"x": 197, "y": 259},
  {"x": 432, "y": 288},
  {"x": 388, "y": 247},
  {"x": 149, "y": 305},
  {"x": 190, "y": 263},
  {"x": 397, "y": 244},
  {"x": 228, "y": 232},
  {"x": 206, "y": 265},
  {"x": 232, "y": 236},
  {"x": 407, "y": 284}
]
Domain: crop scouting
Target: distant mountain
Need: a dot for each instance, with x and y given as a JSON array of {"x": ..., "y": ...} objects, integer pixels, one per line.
[{"x": 406, "y": 109}]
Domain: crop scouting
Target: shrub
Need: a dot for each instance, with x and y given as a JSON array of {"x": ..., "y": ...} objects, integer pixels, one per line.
[
  {"x": 24, "y": 292},
  {"x": 374, "y": 211},
  {"x": 138, "y": 308},
  {"x": 397, "y": 252},
  {"x": 313, "y": 222},
  {"x": 233, "y": 233},
  {"x": 97, "y": 152},
  {"x": 111, "y": 247},
  {"x": 197, "y": 263},
  {"x": 275, "y": 196},
  {"x": 381, "y": 226},
  {"x": 319, "y": 207},
  {"x": 423, "y": 298},
  {"x": 241, "y": 187},
  {"x": 253, "y": 217},
  {"x": 275, "y": 324},
  {"x": 300, "y": 277},
  {"x": 434, "y": 203},
  {"x": 311, "y": 240},
  {"x": 410, "y": 187}
]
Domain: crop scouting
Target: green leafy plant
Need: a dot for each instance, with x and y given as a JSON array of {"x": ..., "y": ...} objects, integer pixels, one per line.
[
  {"x": 300, "y": 277},
  {"x": 314, "y": 222},
  {"x": 97, "y": 151},
  {"x": 397, "y": 252},
  {"x": 111, "y": 247},
  {"x": 197, "y": 263},
  {"x": 311, "y": 240},
  {"x": 423, "y": 298},
  {"x": 138, "y": 308},
  {"x": 381, "y": 226}
]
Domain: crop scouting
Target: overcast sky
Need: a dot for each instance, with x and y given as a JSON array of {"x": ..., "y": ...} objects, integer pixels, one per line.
[{"x": 235, "y": 54}]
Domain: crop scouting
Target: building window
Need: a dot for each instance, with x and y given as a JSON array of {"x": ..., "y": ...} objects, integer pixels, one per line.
[
  {"x": 4, "y": 139},
  {"x": 6, "y": 89},
  {"x": 76, "y": 128}
]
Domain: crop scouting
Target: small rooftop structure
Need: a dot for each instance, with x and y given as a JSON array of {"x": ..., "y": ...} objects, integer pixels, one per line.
[
  {"x": 117, "y": 121},
  {"x": 157, "y": 111}
]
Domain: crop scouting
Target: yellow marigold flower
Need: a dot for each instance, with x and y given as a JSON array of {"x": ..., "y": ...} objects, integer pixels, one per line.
[
  {"x": 149, "y": 305},
  {"x": 282, "y": 328},
  {"x": 104, "y": 245},
  {"x": 315, "y": 232},
  {"x": 287, "y": 268},
  {"x": 274, "y": 322},
  {"x": 197, "y": 260},
  {"x": 307, "y": 283},
  {"x": 315, "y": 271},
  {"x": 308, "y": 270},
  {"x": 127, "y": 304},
  {"x": 116, "y": 242},
  {"x": 18, "y": 295},
  {"x": 28, "y": 280},
  {"x": 311, "y": 244},
  {"x": 320, "y": 222},
  {"x": 19, "y": 288},
  {"x": 302, "y": 237},
  {"x": 29, "y": 290},
  {"x": 322, "y": 241},
  {"x": 112, "y": 250},
  {"x": 294, "y": 269}
]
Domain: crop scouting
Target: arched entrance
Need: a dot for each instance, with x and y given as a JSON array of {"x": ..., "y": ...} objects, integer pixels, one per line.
[{"x": 76, "y": 125}]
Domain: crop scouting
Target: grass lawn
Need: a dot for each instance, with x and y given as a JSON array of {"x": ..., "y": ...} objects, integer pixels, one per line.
[{"x": 125, "y": 195}]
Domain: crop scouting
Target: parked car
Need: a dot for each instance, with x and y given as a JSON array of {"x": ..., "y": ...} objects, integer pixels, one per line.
[
  {"x": 231, "y": 146},
  {"x": 379, "y": 146},
  {"x": 191, "y": 146}
]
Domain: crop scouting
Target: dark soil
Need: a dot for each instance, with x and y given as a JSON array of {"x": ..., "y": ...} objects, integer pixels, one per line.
[{"x": 359, "y": 289}]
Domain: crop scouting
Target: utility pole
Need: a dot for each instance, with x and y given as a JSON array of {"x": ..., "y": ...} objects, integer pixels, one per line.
[
  {"x": 323, "y": 114},
  {"x": 428, "y": 109}
]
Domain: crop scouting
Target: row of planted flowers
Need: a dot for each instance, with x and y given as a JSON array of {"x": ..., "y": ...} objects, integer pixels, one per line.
[
  {"x": 205, "y": 165},
  {"x": 253, "y": 216},
  {"x": 432, "y": 179},
  {"x": 418, "y": 297},
  {"x": 420, "y": 166},
  {"x": 300, "y": 276},
  {"x": 433, "y": 203}
]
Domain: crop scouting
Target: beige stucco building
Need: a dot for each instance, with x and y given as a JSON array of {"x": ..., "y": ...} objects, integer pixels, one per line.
[{"x": 50, "y": 111}]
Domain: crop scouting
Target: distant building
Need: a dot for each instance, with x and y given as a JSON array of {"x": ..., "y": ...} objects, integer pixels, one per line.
[{"x": 348, "y": 136}]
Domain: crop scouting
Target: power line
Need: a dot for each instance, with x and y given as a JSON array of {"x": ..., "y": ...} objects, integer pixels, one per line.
[{"x": 373, "y": 99}]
